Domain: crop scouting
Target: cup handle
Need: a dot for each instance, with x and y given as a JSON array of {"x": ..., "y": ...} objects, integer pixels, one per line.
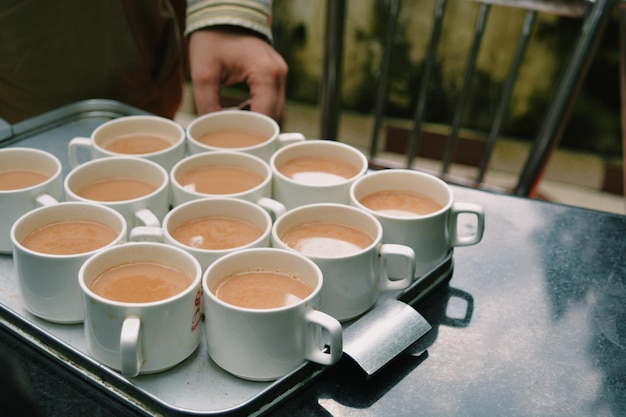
[
  {"x": 315, "y": 320},
  {"x": 467, "y": 208},
  {"x": 45, "y": 200},
  {"x": 73, "y": 149},
  {"x": 274, "y": 208},
  {"x": 405, "y": 254},
  {"x": 285, "y": 139},
  {"x": 130, "y": 346},
  {"x": 147, "y": 218},
  {"x": 146, "y": 234}
]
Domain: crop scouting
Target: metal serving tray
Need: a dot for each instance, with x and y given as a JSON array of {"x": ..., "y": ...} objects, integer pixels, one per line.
[{"x": 196, "y": 387}]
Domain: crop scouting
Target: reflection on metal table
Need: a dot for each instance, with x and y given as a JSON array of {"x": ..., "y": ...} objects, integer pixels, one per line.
[{"x": 533, "y": 323}]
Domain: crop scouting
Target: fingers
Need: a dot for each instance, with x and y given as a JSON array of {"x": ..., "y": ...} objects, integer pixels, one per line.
[
  {"x": 205, "y": 73},
  {"x": 223, "y": 58},
  {"x": 267, "y": 89}
]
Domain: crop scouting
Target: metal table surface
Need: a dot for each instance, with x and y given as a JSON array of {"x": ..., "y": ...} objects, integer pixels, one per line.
[{"x": 532, "y": 323}]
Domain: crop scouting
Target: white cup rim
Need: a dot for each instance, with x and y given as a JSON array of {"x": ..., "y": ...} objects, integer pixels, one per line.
[
  {"x": 317, "y": 142},
  {"x": 42, "y": 153},
  {"x": 266, "y": 251},
  {"x": 397, "y": 172},
  {"x": 217, "y": 200},
  {"x": 180, "y": 140},
  {"x": 122, "y": 304},
  {"x": 228, "y": 112},
  {"x": 216, "y": 155},
  {"x": 36, "y": 212},
  {"x": 107, "y": 160},
  {"x": 332, "y": 208}
]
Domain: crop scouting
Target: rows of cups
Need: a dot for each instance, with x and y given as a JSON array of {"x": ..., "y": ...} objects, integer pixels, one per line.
[{"x": 129, "y": 337}]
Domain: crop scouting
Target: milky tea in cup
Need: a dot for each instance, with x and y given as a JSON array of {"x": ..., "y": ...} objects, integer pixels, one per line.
[
  {"x": 137, "y": 188},
  {"x": 315, "y": 171},
  {"x": 209, "y": 228},
  {"x": 29, "y": 178},
  {"x": 142, "y": 303},
  {"x": 346, "y": 244},
  {"x": 155, "y": 138},
  {"x": 262, "y": 318},
  {"x": 418, "y": 210},
  {"x": 224, "y": 174},
  {"x": 50, "y": 244},
  {"x": 238, "y": 130}
]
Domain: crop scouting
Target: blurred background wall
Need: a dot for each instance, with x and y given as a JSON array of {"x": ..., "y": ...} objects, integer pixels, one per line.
[{"x": 299, "y": 31}]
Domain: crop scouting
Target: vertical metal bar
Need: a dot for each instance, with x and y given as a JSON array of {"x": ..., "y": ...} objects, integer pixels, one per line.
[
  {"x": 622, "y": 80},
  {"x": 527, "y": 28},
  {"x": 462, "y": 100},
  {"x": 559, "y": 110},
  {"x": 429, "y": 61},
  {"x": 330, "y": 100},
  {"x": 381, "y": 94}
]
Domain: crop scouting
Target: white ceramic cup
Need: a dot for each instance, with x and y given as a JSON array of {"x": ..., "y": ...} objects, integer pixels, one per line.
[
  {"x": 95, "y": 146},
  {"x": 142, "y": 338},
  {"x": 196, "y": 209},
  {"x": 260, "y": 194},
  {"x": 352, "y": 281},
  {"x": 432, "y": 235},
  {"x": 48, "y": 282},
  {"x": 147, "y": 210},
  {"x": 266, "y": 344},
  {"x": 16, "y": 202},
  {"x": 240, "y": 119},
  {"x": 316, "y": 186}
]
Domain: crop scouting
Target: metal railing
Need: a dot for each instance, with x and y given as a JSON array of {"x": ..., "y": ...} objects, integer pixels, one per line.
[
  {"x": 622, "y": 78},
  {"x": 595, "y": 15}
]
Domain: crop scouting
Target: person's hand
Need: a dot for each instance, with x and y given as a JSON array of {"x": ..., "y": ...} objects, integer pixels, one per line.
[{"x": 225, "y": 57}]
